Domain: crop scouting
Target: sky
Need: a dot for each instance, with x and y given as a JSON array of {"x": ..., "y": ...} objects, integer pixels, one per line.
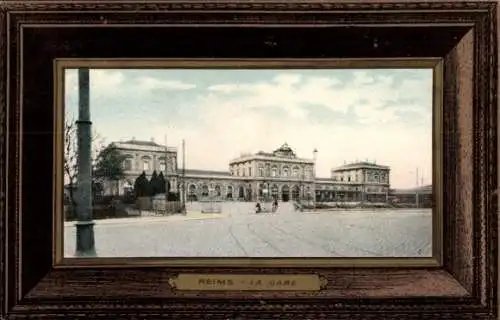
[{"x": 348, "y": 115}]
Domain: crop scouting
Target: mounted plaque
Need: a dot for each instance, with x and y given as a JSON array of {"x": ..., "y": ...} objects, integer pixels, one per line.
[{"x": 247, "y": 282}]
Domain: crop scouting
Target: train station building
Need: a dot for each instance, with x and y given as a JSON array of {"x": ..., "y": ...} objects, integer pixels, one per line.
[{"x": 280, "y": 174}]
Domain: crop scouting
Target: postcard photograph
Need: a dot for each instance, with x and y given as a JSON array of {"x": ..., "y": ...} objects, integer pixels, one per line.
[{"x": 247, "y": 162}]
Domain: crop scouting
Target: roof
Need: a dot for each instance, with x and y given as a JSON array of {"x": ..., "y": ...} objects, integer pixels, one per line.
[
  {"x": 143, "y": 143},
  {"x": 361, "y": 164},
  {"x": 262, "y": 153},
  {"x": 149, "y": 146},
  {"x": 207, "y": 172},
  {"x": 284, "y": 151},
  {"x": 324, "y": 179}
]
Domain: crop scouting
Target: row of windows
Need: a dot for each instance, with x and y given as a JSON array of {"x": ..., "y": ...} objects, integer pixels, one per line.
[
  {"x": 146, "y": 165},
  {"x": 271, "y": 172},
  {"x": 376, "y": 178},
  {"x": 370, "y": 189}
]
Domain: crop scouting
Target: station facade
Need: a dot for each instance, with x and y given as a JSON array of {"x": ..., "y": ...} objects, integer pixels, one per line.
[{"x": 279, "y": 174}]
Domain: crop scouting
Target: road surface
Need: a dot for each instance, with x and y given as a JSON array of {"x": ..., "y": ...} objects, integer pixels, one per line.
[{"x": 239, "y": 232}]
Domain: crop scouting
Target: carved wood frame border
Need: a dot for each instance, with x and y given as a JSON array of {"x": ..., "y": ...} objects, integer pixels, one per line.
[{"x": 464, "y": 288}]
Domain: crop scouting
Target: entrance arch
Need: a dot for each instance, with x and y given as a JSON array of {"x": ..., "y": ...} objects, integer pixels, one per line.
[
  {"x": 229, "y": 193},
  {"x": 296, "y": 193},
  {"x": 285, "y": 193},
  {"x": 192, "y": 193},
  {"x": 241, "y": 192},
  {"x": 218, "y": 192},
  {"x": 261, "y": 189},
  {"x": 204, "y": 191},
  {"x": 274, "y": 191}
]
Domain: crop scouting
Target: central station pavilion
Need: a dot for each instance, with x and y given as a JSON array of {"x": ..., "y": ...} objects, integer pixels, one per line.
[{"x": 280, "y": 174}]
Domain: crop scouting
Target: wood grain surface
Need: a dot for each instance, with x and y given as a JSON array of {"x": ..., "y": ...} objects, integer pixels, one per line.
[{"x": 463, "y": 34}]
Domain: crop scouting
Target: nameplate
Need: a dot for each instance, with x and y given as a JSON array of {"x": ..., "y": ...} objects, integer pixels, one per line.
[{"x": 247, "y": 282}]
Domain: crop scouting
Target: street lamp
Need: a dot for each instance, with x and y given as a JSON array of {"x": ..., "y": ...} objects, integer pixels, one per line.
[
  {"x": 183, "y": 194},
  {"x": 315, "y": 156},
  {"x": 85, "y": 242},
  {"x": 416, "y": 187}
]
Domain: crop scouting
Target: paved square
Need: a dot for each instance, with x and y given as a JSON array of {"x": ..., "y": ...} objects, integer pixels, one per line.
[{"x": 240, "y": 232}]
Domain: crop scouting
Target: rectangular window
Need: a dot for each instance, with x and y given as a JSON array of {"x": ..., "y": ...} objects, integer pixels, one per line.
[
  {"x": 145, "y": 166},
  {"x": 162, "y": 166},
  {"x": 250, "y": 172},
  {"x": 127, "y": 165}
]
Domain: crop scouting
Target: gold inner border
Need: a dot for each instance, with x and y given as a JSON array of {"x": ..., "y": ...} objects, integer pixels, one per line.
[{"x": 59, "y": 261}]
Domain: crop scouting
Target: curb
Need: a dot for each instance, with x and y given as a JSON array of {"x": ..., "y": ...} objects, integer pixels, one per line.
[{"x": 150, "y": 219}]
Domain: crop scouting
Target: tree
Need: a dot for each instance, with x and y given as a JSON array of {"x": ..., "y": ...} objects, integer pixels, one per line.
[
  {"x": 162, "y": 182},
  {"x": 142, "y": 186},
  {"x": 109, "y": 165},
  {"x": 71, "y": 156},
  {"x": 154, "y": 182}
]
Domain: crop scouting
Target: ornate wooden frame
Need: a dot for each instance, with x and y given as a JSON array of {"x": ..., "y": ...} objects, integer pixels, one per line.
[{"x": 463, "y": 34}]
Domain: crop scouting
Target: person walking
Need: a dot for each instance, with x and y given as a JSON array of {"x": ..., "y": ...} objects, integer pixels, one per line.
[{"x": 275, "y": 205}]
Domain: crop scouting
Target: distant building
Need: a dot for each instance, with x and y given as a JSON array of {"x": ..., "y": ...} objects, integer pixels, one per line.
[
  {"x": 420, "y": 197},
  {"x": 147, "y": 156},
  {"x": 367, "y": 181},
  {"x": 278, "y": 174}
]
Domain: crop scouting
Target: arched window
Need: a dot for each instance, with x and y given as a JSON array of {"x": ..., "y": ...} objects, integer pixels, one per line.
[
  {"x": 261, "y": 171},
  {"x": 274, "y": 171},
  {"x": 127, "y": 164},
  {"x": 261, "y": 189},
  {"x": 307, "y": 173},
  {"x": 204, "y": 191},
  {"x": 162, "y": 164},
  {"x": 217, "y": 191},
  {"x": 285, "y": 171},
  {"x": 192, "y": 190},
  {"x": 295, "y": 171},
  {"x": 274, "y": 191},
  {"x": 146, "y": 164}
]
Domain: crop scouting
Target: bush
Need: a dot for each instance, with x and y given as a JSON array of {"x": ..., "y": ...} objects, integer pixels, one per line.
[
  {"x": 154, "y": 183},
  {"x": 173, "y": 196},
  {"x": 162, "y": 183},
  {"x": 98, "y": 212},
  {"x": 142, "y": 187}
]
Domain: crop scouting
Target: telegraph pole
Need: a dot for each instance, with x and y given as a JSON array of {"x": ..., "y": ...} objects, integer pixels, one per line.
[
  {"x": 183, "y": 194},
  {"x": 166, "y": 175},
  {"x": 416, "y": 191},
  {"x": 85, "y": 241}
]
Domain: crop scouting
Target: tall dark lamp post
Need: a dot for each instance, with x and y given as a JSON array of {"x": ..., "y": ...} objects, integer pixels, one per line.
[
  {"x": 85, "y": 242},
  {"x": 183, "y": 194},
  {"x": 315, "y": 156}
]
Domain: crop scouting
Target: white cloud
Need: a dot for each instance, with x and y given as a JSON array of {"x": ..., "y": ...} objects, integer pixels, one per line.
[
  {"x": 234, "y": 118},
  {"x": 149, "y": 83},
  {"x": 284, "y": 92},
  {"x": 102, "y": 81},
  {"x": 108, "y": 82}
]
